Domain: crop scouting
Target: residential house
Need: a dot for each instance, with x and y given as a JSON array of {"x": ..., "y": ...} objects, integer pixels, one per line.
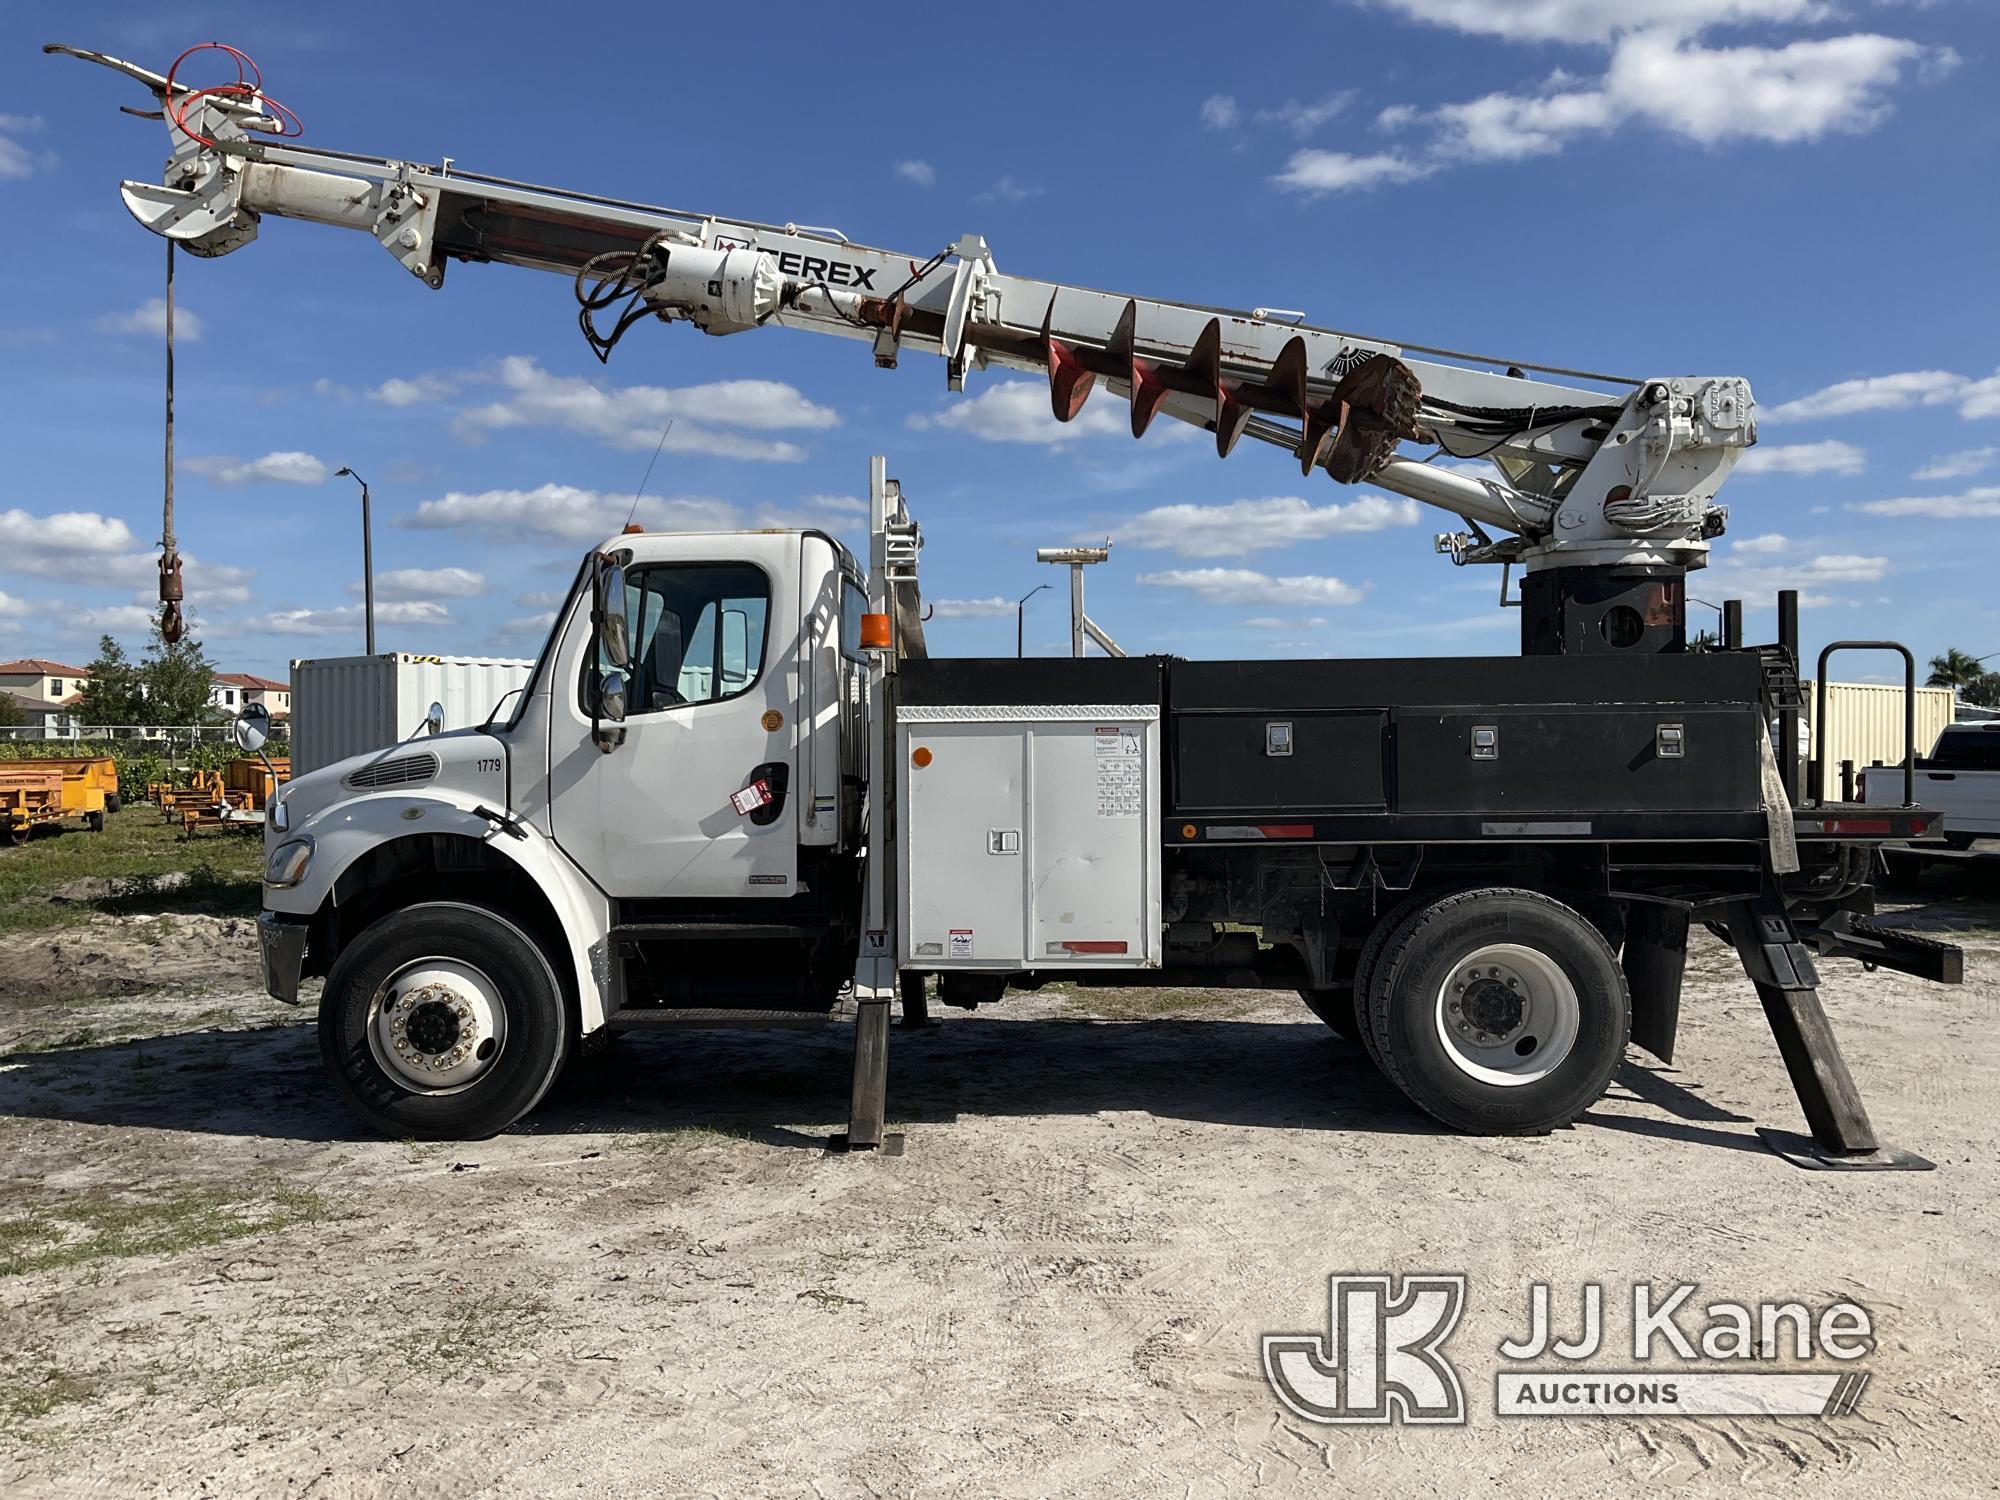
[
  {"x": 235, "y": 691},
  {"x": 47, "y": 692}
]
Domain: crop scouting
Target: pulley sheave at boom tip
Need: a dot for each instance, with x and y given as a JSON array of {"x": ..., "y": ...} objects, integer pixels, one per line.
[{"x": 1578, "y": 476}]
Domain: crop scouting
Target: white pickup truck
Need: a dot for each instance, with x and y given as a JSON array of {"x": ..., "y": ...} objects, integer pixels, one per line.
[{"x": 1959, "y": 779}]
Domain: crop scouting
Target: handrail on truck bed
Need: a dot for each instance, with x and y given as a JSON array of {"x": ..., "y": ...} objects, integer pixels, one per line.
[{"x": 1909, "y": 716}]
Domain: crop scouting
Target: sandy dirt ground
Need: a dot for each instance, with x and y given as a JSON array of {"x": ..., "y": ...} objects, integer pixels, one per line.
[{"x": 213, "y": 1283}]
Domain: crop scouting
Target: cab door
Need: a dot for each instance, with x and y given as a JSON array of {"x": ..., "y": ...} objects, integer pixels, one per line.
[{"x": 709, "y": 695}]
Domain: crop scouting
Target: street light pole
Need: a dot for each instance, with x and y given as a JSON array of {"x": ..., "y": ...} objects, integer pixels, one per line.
[
  {"x": 367, "y": 557},
  {"x": 1021, "y": 614}
]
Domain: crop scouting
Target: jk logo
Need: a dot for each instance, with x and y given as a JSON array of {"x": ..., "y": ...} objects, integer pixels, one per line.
[{"x": 1380, "y": 1359}]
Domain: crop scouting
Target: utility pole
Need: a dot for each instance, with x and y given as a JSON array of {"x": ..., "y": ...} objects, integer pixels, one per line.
[
  {"x": 367, "y": 556},
  {"x": 1020, "y": 616},
  {"x": 1081, "y": 626}
]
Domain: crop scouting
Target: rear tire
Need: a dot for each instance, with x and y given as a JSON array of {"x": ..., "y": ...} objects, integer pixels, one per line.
[
  {"x": 112, "y": 802},
  {"x": 442, "y": 1021},
  {"x": 96, "y": 821},
  {"x": 1499, "y": 1011}
]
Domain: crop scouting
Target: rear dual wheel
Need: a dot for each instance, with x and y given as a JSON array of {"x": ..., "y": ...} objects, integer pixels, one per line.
[{"x": 1498, "y": 1011}]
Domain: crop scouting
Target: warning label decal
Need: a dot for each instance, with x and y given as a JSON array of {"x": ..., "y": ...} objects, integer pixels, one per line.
[{"x": 1121, "y": 790}]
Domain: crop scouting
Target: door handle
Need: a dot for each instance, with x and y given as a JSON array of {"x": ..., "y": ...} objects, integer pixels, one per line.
[{"x": 777, "y": 775}]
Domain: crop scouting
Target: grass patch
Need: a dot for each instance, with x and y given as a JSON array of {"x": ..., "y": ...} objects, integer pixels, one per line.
[
  {"x": 32, "y": 1397},
  {"x": 1157, "y": 1005},
  {"x": 84, "y": 1229},
  {"x": 218, "y": 874},
  {"x": 675, "y": 1138},
  {"x": 475, "y": 1330}
]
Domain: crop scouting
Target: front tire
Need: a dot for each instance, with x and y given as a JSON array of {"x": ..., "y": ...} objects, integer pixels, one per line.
[
  {"x": 442, "y": 1021},
  {"x": 1499, "y": 1011}
]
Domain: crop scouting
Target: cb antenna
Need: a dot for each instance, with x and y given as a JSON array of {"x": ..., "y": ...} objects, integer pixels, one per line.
[{"x": 649, "y": 473}]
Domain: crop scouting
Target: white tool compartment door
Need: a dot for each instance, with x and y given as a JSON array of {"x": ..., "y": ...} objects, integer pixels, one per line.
[
  {"x": 1095, "y": 871},
  {"x": 965, "y": 870}
]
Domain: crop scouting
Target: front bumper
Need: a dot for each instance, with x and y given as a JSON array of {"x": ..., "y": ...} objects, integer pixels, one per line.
[{"x": 281, "y": 940}]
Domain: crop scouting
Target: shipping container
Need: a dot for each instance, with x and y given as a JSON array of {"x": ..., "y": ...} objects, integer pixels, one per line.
[
  {"x": 348, "y": 705},
  {"x": 1865, "y": 723}
]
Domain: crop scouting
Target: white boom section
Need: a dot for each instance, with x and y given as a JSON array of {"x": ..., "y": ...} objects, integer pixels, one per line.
[{"x": 1580, "y": 476}]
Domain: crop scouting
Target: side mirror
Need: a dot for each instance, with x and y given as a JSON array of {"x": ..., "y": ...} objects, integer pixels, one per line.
[
  {"x": 607, "y": 711},
  {"x": 434, "y": 718},
  {"x": 252, "y": 728},
  {"x": 608, "y": 625},
  {"x": 735, "y": 649},
  {"x": 611, "y": 697}
]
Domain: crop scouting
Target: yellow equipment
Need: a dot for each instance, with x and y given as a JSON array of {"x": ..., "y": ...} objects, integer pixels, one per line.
[{"x": 34, "y": 793}]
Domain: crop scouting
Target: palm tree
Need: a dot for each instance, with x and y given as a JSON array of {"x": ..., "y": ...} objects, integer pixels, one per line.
[{"x": 1955, "y": 669}]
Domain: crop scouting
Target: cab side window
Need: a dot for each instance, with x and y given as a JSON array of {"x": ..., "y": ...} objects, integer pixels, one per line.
[{"x": 698, "y": 633}]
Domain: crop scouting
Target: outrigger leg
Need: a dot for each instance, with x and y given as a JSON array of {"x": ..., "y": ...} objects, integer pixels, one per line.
[
  {"x": 866, "y": 1112},
  {"x": 1781, "y": 967}
]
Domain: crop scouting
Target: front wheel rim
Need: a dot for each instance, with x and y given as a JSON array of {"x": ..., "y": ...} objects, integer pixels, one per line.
[
  {"x": 437, "y": 1026},
  {"x": 1507, "y": 1015}
]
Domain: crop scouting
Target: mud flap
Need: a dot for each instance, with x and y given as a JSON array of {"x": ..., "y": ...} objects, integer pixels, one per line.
[{"x": 1655, "y": 957}]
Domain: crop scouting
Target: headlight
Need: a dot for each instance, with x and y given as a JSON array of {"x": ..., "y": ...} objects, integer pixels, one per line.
[
  {"x": 281, "y": 817},
  {"x": 288, "y": 863}
]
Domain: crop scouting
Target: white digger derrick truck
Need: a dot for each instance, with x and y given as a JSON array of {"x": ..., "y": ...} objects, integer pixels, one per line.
[{"x": 737, "y": 791}]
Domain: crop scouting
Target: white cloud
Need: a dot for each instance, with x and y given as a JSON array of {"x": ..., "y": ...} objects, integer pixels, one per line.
[
  {"x": 1961, "y": 465},
  {"x": 1010, "y": 189},
  {"x": 150, "y": 319},
  {"x": 1304, "y": 119},
  {"x": 1830, "y": 457},
  {"x": 426, "y": 583},
  {"x": 65, "y": 544},
  {"x": 1272, "y": 622},
  {"x": 10, "y": 606},
  {"x": 971, "y": 609},
  {"x": 1219, "y": 112},
  {"x": 1315, "y": 172},
  {"x": 349, "y": 617},
  {"x": 116, "y": 618},
  {"x": 1772, "y": 544},
  {"x": 16, "y": 160},
  {"x": 1018, "y": 411},
  {"x": 1974, "y": 398},
  {"x": 562, "y": 512},
  {"x": 922, "y": 173},
  {"x": 535, "y": 624},
  {"x": 1247, "y": 586},
  {"x": 1244, "y": 526},
  {"x": 287, "y": 467},
  {"x": 565, "y": 513},
  {"x": 1595, "y": 20},
  {"x": 415, "y": 391},
  {"x": 633, "y": 416},
  {"x": 1978, "y": 504},
  {"x": 1798, "y": 92},
  {"x": 544, "y": 599},
  {"x": 1757, "y": 567}
]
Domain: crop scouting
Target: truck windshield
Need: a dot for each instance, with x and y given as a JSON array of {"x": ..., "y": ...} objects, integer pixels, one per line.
[{"x": 533, "y": 685}]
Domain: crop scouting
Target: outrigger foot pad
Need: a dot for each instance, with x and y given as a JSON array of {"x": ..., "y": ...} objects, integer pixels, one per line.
[
  {"x": 892, "y": 1144},
  {"x": 1804, "y": 1151}
]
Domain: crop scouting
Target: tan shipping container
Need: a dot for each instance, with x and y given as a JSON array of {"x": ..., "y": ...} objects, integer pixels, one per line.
[{"x": 1865, "y": 723}]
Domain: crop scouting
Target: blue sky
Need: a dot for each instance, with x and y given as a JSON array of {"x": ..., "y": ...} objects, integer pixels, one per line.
[{"x": 1795, "y": 191}]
